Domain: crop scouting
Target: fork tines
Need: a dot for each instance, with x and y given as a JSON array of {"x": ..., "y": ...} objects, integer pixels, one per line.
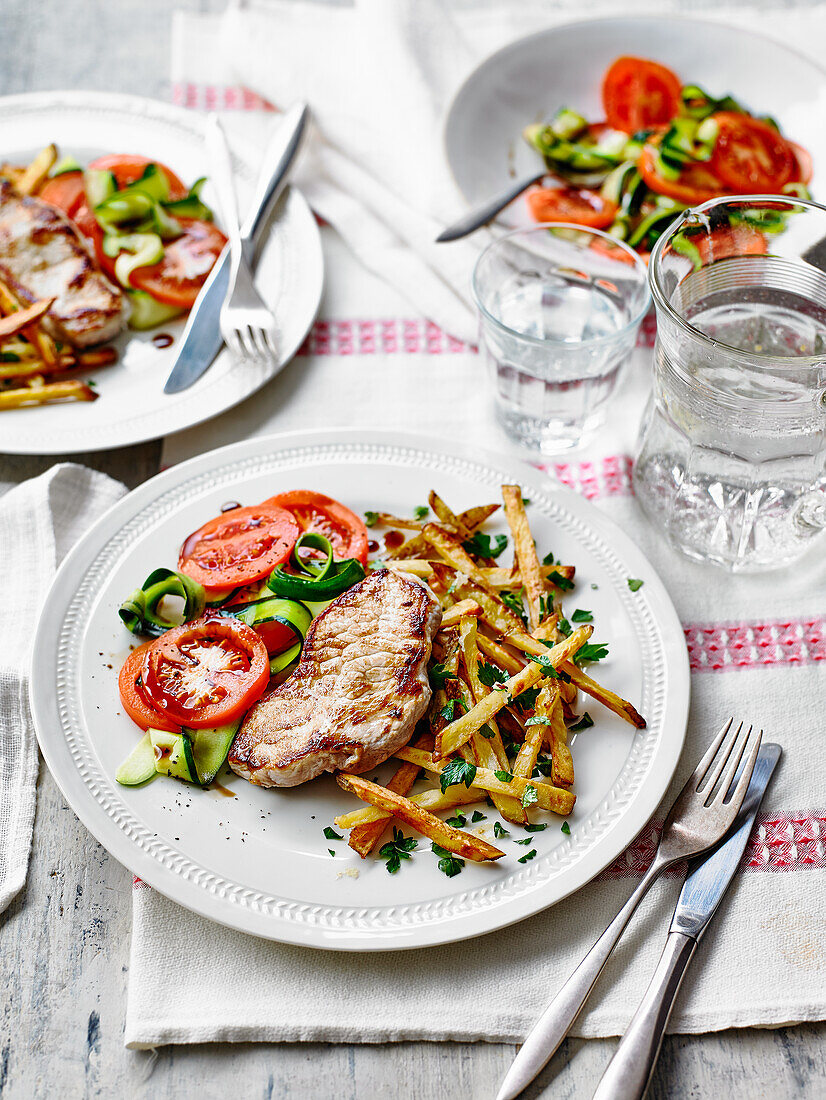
[{"x": 717, "y": 771}]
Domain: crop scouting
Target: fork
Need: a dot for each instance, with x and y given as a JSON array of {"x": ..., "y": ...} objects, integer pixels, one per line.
[
  {"x": 247, "y": 325},
  {"x": 702, "y": 814}
]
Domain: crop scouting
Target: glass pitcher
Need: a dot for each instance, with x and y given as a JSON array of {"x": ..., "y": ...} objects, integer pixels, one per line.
[{"x": 732, "y": 451}]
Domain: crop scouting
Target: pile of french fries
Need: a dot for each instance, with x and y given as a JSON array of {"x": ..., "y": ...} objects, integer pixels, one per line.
[
  {"x": 36, "y": 369},
  {"x": 474, "y": 704}
]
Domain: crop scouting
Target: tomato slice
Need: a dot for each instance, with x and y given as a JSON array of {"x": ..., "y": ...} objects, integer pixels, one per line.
[
  {"x": 696, "y": 183},
  {"x": 127, "y": 168},
  {"x": 730, "y": 240},
  {"x": 276, "y": 636},
  {"x": 66, "y": 192},
  {"x": 134, "y": 698},
  {"x": 804, "y": 163},
  {"x": 239, "y": 546},
  {"x": 177, "y": 279},
  {"x": 207, "y": 672},
  {"x": 750, "y": 156},
  {"x": 317, "y": 512},
  {"x": 638, "y": 94},
  {"x": 567, "y": 204}
]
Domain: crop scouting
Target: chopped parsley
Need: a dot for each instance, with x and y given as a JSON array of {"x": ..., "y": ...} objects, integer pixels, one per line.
[
  {"x": 486, "y": 546},
  {"x": 634, "y": 584},
  {"x": 397, "y": 849},
  {"x": 591, "y": 651},
  {"x": 585, "y": 723},
  {"x": 566, "y": 828},
  {"x": 549, "y": 670},
  {"x": 486, "y": 732},
  {"x": 595, "y": 586},
  {"x": 543, "y": 767},
  {"x": 371, "y": 519},
  {"x": 548, "y": 559},
  {"x": 526, "y": 699},
  {"x": 457, "y": 771},
  {"x": 420, "y": 511},
  {"x": 458, "y": 821},
  {"x": 527, "y": 856},
  {"x": 448, "y": 711},
  {"x": 580, "y": 616},
  {"x": 490, "y": 675},
  {"x": 529, "y": 796},
  {"x": 330, "y": 850},
  {"x": 331, "y": 834},
  {"x": 560, "y": 580},
  {"x": 536, "y": 828},
  {"x": 477, "y": 816},
  {"x": 449, "y": 864},
  {"x": 499, "y": 831},
  {"x": 564, "y": 627},
  {"x": 525, "y": 502},
  {"x": 527, "y": 840},
  {"x": 538, "y": 720},
  {"x": 439, "y": 675},
  {"x": 513, "y": 600},
  {"x": 503, "y": 777}
]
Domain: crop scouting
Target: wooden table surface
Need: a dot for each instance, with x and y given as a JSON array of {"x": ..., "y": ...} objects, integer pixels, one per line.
[{"x": 64, "y": 942}]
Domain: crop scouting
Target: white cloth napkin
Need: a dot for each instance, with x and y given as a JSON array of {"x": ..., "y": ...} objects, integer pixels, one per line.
[
  {"x": 762, "y": 962},
  {"x": 40, "y": 520}
]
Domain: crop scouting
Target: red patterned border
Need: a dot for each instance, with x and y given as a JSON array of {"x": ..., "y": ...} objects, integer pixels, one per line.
[{"x": 722, "y": 647}]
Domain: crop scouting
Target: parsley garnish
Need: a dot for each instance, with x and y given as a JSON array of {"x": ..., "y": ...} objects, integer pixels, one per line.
[
  {"x": 439, "y": 675},
  {"x": 580, "y": 616},
  {"x": 634, "y": 584},
  {"x": 397, "y": 849},
  {"x": 585, "y": 722},
  {"x": 513, "y": 600},
  {"x": 527, "y": 856},
  {"x": 546, "y": 606},
  {"x": 591, "y": 652},
  {"x": 420, "y": 511},
  {"x": 448, "y": 711},
  {"x": 477, "y": 816},
  {"x": 536, "y": 828},
  {"x": 486, "y": 732},
  {"x": 449, "y": 864},
  {"x": 529, "y": 796},
  {"x": 564, "y": 627},
  {"x": 549, "y": 670},
  {"x": 595, "y": 586},
  {"x": 485, "y": 546},
  {"x": 371, "y": 519},
  {"x": 330, "y": 850},
  {"x": 457, "y": 771},
  {"x": 331, "y": 834},
  {"x": 490, "y": 675},
  {"x": 560, "y": 580},
  {"x": 526, "y": 699},
  {"x": 458, "y": 821},
  {"x": 499, "y": 832},
  {"x": 503, "y": 777},
  {"x": 548, "y": 559},
  {"x": 538, "y": 720},
  {"x": 525, "y": 502},
  {"x": 527, "y": 840},
  {"x": 566, "y": 828}
]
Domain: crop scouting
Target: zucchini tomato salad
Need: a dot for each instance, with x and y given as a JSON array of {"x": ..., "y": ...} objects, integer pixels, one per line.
[
  {"x": 290, "y": 641},
  {"x": 663, "y": 146}
]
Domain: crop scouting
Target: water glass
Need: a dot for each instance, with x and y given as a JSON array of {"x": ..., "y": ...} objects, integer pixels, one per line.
[
  {"x": 732, "y": 451},
  {"x": 559, "y": 310}
]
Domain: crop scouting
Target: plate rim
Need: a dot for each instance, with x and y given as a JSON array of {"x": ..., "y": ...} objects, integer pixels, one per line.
[
  {"x": 44, "y": 702},
  {"x": 518, "y": 43},
  {"x": 133, "y": 433}
]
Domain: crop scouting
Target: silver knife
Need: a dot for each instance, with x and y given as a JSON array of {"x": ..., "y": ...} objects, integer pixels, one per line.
[
  {"x": 201, "y": 340},
  {"x": 629, "y": 1071},
  {"x": 488, "y": 211}
]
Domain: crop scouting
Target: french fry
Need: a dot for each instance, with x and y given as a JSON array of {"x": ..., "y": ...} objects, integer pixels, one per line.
[
  {"x": 608, "y": 698},
  {"x": 35, "y": 173},
  {"x": 432, "y": 799},
  {"x": 453, "y": 616},
  {"x": 363, "y": 838},
  {"x": 496, "y": 614},
  {"x": 419, "y": 567},
  {"x": 97, "y": 357},
  {"x": 447, "y": 516},
  {"x": 450, "y": 548},
  {"x": 454, "y": 840},
  {"x": 472, "y": 519},
  {"x": 562, "y": 763},
  {"x": 548, "y": 797},
  {"x": 500, "y": 577},
  {"x": 44, "y": 395},
  {"x": 17, "y": 321},
  {"x": 460, "y": 731},
  {"x": 387, "y": 519},
  {"x": 499, "y": 655},
  {"x": 525, "y": 552}
]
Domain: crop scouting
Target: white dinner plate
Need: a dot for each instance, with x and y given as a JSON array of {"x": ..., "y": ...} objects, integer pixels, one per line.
[
  {"x": 132, "y": 406},
  {"x": 259, "y": 861},
  {"x": 528, "y": 80}
]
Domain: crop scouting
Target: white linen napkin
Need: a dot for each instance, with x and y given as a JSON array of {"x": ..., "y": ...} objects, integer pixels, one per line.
[
  {"x": 40, "y": 520},
  {"x": 757, "y": 645}
]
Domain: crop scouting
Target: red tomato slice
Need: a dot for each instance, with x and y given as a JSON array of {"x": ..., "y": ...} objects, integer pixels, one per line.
[
  {"x": 804, "y": 163},
  {"x": 734, "y": 240},
  {"x": 696, "y": 184},
  {"x": 239, "y": 546},
  {"x": 179, "y": 276},
  {"x": 133, "y": 697},
  {"x": 276, "y": 636},
  {"x": 207, "y": 672},
  {"x": 127, "y": 168},
  {"x": 638, "y": 94},
  {"x": 66, "y": 192},
  {"x": 611, "y": 251},
  {"x": 566, "y": 204},
  {"x": 317, "y": 512},
  {"x": 750, "y": 156}
]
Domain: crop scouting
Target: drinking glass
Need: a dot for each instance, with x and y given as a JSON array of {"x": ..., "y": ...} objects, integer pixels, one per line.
[
  {"x": 559, "y": 310},
  {"x": 732, "y": 451}
]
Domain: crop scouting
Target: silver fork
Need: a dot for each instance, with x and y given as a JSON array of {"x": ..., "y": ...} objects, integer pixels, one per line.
[
  {"x": 247, "y": 324},
  {"x": 702, "y": 814}
]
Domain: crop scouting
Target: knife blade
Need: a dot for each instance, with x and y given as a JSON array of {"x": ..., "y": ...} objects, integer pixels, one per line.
[
  {"x": 201, "y": 340},
  {"x": 629, "y": 1071},
  {"x": 485, "y": 213}
]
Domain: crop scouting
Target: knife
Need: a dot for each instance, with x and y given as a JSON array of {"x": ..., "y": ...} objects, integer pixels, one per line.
[
  {"x": 201, "y": 340},
  {"x": 488, "y": 211},
  {"x": 629, "y": 1071}
]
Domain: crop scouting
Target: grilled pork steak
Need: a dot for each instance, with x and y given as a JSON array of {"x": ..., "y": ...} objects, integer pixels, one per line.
[
  {"x": 42, "y": 255},
  {"x": 357, "y": 692}
]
